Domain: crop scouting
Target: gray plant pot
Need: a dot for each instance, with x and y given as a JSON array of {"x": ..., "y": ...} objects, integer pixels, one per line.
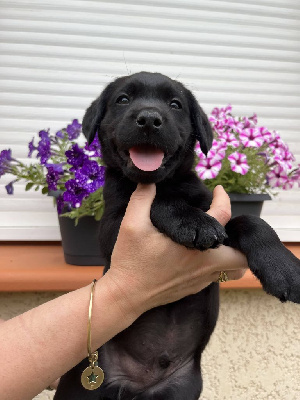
[{"x": 247, "y": 204}]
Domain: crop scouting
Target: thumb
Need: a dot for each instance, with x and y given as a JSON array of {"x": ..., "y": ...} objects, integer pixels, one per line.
[
  {"x": 138, "y": 208},
  {"x": 220, "y": 207}
]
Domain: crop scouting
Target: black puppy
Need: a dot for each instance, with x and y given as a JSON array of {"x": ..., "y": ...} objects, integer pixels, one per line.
[{"x": 147, "y": 126}]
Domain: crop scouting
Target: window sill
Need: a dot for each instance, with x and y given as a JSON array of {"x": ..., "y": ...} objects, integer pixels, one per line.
[{"x": 26, "y": 267}]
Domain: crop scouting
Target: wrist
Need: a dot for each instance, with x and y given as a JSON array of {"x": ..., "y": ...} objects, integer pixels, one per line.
[
  {"x": 120, "y": 312},
  {"x": 126, "y": 294}
]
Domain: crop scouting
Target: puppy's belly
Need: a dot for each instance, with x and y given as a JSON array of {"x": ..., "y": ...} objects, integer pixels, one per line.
[{"x": 162, "y": 341}]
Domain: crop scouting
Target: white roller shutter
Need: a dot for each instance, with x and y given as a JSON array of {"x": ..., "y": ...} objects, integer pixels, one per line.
[{"x": 56, "y": 56}]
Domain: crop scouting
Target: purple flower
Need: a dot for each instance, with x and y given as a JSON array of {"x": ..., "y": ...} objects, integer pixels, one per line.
[
  {"x": 54, "y": 173},
  {"x": 94, "y": 149},
  {"x": 60, "y": 204},
  {"x": 73, "y": 130},
  {"x": 44, "y": 135},
  {"x": 251, "y": 137},
  {"x": 44, "y": 147},
  {"x": 238, "y": 163},
  {"x": 60, "y": 134},
  {"x": 76, "y": 157},
  {"x": 74, "y": 193},
  {"x": 90, "y": 176},
  {"x": 31, "y": 147},
  {"x": 5, "y": 155},
  {"x": 9, "y": 187},
  {"x": 57, "y": 167},
  {"x": 5, "y": 159}
]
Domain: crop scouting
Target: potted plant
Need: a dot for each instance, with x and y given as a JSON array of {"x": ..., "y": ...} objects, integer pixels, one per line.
[
  {"x": 248, "y": 160},
  {"x": 74, "y": 176}
]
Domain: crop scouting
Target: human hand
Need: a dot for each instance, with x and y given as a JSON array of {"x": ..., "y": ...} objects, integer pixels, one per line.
[{"x": 149, "y": 269}]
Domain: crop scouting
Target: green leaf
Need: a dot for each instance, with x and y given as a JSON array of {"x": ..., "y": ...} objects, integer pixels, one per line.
[
  {"x": 29, "y": 186},
  {"x": 98, "y": 213}
]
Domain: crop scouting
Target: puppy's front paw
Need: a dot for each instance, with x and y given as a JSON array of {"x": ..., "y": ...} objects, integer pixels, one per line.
[
  {"x": 279, "y": 273},
  {"x": 202, "y": 233},
  {"x": 191, "y": 228}
]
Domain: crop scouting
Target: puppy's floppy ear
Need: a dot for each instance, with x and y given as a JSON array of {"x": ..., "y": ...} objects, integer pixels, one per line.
[
  {"x": 94, "y": 114},
  {"x": 202, "y": 128},
  {"x": 91, "y": 120}
]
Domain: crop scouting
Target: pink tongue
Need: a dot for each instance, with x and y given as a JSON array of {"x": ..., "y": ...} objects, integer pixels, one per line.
[{"x": 146, "y": 158}]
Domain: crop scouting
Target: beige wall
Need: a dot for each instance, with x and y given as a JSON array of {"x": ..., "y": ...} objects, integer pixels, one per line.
[{"x": 254, "y": 353}]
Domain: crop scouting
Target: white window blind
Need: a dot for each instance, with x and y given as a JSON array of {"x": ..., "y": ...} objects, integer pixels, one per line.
[{"x": 56, "y": 57}]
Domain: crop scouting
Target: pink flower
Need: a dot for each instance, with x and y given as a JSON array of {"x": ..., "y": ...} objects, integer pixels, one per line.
[
  {"x": 219, "y": 113},
  {"x": 235, "y": 124},
  {"x": 216, "y": 153},
  {"x": 253, "y": 118},
  {"x": 247, "y": 123},
  {"x": 281, "y": 153},
  {"x": 218, "y": 126},
  {"x": 288, "y": 185},
  {"x": 277, "y": 144},
  {"x": 238, "y": 163},
  {"x": 296, "y": 176},
  {"x": 251, "y": 137},
  {"x": 266, "y": 134},
  {"x": 230, "y": 139},
  {"x": 285, "y": 159},
  {"x": 277, "y": 177},
  {"x": 208, "y": 168}
]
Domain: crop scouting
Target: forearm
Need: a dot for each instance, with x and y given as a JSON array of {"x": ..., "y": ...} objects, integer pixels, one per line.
[{"x": 39, "y": 346}]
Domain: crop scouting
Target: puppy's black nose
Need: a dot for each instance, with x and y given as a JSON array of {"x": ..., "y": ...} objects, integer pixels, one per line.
[{"x": 149, "y": 119}]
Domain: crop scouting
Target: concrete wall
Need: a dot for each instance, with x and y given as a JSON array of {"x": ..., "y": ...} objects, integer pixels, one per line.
[{"x": 254, "y": 353}]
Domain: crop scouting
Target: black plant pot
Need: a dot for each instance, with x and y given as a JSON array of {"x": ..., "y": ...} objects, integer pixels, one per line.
[
  {"x": 80, "y": 243},
  {"x": 247, "y": 204}
]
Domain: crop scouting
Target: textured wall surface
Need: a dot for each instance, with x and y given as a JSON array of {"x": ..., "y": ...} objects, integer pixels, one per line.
[{"x": 254, "y": 353}]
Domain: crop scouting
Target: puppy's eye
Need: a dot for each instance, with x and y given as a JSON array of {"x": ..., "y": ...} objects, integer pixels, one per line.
[
  {"x": 175, "y": 104},
  {"x": 123, "y": 99}
]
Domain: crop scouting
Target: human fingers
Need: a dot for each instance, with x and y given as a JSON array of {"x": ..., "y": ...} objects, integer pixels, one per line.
[
  {"x": 138, "y": 208},
  {"x": 231, "y": 275},
  {"x": 227, "y": 259},
  {"x": 220, "y": 207}
]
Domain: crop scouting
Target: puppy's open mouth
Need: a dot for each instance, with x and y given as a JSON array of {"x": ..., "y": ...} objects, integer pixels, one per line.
[{"x": 146, "y": 157}]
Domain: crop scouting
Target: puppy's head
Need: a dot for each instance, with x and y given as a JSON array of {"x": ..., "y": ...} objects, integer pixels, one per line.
[{"x": 147, "y": 125}]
